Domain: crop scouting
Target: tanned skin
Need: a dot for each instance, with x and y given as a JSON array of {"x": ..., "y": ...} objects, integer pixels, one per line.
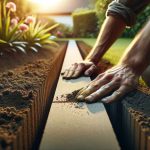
[
  {"x": 120, "y": 79},
  {"x": 110, "y": 31}
]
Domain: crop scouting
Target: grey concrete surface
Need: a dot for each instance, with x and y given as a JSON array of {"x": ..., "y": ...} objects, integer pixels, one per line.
[{"x": 70, "y": 127}]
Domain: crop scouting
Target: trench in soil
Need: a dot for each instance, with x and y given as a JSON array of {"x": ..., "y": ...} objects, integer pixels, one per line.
[{"x": 130, "y": 117}]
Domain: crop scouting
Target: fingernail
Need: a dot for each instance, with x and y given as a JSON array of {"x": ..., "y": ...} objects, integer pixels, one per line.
[
  {"x": 80, "y": 97},
  {"x": 89, "y": 98},
  {"x": 104, "y": 100}
]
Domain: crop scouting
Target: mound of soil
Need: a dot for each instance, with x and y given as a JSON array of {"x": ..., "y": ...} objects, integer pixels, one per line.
[{"x": 25, "y": 84}]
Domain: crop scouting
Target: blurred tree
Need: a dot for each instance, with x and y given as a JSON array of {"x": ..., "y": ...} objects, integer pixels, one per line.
[{"x": 141, "y": 20}]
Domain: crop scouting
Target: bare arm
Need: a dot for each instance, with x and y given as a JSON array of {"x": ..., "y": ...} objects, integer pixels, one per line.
[
  {"x": 111, "y": 30},
  {"x": 123, "y": 77},
  {"x": 137, "y": 55}
]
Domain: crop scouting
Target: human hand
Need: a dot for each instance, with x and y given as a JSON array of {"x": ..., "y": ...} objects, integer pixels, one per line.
[
  {"x": 77, "y": 69},
  {"x": 120, "y": 80}
]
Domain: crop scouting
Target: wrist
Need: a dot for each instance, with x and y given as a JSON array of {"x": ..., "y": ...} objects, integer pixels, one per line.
[
  {"x": 136, "y": 65},
  {"x": 93, "y": 60}
]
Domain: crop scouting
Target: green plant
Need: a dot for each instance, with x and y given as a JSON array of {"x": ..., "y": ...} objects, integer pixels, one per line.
[
  {"x": 85, "y": 22},
  {"x": 63, "y": 31},
  {"x": 8, "y": 32},
  {"x": 21, "y": 34},
  {"x": 101, "y": 7},
  {"x": 37, "y": 34},
  {"x": 140, "y": 22}
]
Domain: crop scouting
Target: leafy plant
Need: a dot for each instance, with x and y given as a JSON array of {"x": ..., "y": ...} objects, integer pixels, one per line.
[
  {"x": 37, "y": 34},
  {"x": 21, "y": 34},
  {"x": 8, "y": 32},
  {"x": 84, "y": 22},
  {"x": 101, "y": 7}
]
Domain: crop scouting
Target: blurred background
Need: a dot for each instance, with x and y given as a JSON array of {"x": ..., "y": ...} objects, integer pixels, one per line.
[
  {"x": 80, "y": 19},
  {"x": 69, "y": 12}
]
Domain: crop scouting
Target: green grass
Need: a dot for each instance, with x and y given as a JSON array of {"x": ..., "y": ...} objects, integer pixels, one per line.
[{"x": 115, "y": 52}]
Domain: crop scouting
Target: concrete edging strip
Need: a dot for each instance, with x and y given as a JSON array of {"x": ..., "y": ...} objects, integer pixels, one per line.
[{"x": 71, "y": 128}]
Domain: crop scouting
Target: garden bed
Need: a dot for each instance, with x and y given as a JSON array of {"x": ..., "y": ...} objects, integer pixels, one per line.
[
  {"x": 26, "y": 81},
  {"x": 130, "y": 116}
]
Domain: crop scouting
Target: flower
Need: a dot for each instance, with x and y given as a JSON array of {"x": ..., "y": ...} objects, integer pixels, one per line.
[
  {"x": 14, "y": 21},
  {"x": 23, "y": 27},
  {"x": 11, "y": 6},
  {"x": 30, "y": 19},
  {"x": 59, "y": 33}
]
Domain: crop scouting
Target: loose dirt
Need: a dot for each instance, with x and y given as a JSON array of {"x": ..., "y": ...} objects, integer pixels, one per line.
[{"x": 21, "y": 77}]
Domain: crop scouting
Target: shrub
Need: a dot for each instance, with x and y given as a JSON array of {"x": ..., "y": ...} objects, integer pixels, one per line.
[
  {"x": 101, "y": 7},
  {"x": 85, "y": 22},
  {"x": 141, "y": 20},
  {"x": 64, "y": 31}
]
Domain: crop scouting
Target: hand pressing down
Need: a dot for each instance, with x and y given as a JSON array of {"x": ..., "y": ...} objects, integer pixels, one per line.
[
  {"x": 118, "y": 80},
  {"x": 86, "y": 68}
]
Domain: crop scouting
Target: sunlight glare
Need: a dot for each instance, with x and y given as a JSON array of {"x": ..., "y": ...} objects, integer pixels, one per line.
[{"x": 46, "y": 4}]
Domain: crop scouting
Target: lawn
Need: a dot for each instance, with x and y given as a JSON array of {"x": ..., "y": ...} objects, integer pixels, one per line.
[{"x": 116, "y": 51}]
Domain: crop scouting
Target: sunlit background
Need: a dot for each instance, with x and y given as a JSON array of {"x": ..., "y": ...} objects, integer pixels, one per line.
[{"x": 58, "y": 6}]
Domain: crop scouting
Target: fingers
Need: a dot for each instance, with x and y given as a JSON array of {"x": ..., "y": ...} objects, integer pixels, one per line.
[
  {"x": 91, "y": 70},
  {"x": 79, "y": 70},
  {"x": 69, "y": 72},
  {"x": 102, "y": 91},
  {"x": 93, "y": 86},
  {"x": 117, "y": 94}
]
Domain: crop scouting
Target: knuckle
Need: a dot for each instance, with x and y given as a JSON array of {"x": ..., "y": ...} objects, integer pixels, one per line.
[
  {"x": 82, "y": 64},
  {"x": 95, "y": 85},
  {"x": 74, "y": 64},
  {"x": 108, "y": 76},
  {"x": 94, "y": 66}
]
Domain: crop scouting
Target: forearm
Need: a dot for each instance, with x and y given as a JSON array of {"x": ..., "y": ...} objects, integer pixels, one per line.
[
  {"x": 137, "y": 55},
  {"x": 110, "y": 31}
]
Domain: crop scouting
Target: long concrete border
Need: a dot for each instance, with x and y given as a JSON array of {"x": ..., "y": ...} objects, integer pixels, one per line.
[{"x": 77, "y": 128}]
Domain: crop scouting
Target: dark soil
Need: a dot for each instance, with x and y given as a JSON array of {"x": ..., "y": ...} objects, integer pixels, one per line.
[
  {"x": 21, "y": 77},
  {"x": 138, "y": 101},
  {"x": 10, "y": 121}
]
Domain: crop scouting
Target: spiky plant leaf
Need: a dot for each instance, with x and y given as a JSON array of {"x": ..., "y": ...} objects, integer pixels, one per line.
[
  {"x": 21, "y": 49},
  {"x": 34, "y": 49}
]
